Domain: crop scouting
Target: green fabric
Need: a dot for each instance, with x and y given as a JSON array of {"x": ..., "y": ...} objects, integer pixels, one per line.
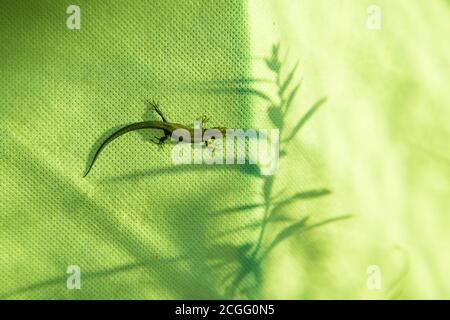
[{"x": 139, "y": 227}]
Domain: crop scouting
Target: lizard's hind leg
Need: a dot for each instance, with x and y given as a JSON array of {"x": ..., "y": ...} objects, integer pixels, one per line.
[
  {"x": 163, "y": 139},
  {"x": 155, "y": 107},
  {"x": 160, "y": 141}
]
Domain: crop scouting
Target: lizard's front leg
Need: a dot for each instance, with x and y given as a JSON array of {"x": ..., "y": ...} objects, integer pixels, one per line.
[{"x": 152, "y": 104}]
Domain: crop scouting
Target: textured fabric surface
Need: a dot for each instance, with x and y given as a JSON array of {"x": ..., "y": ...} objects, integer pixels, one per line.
[
  {"x": 139, "y": 227},
  {"x": 62, "y": 90}
]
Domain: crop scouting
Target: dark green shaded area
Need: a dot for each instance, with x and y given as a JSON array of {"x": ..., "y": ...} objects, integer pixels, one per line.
[{"x": 149, "y": 237}]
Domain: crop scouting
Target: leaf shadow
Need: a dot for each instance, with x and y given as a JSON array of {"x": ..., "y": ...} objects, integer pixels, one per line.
[
  {"x": 254, "y": 225},
  {"x": 296, "y": 228},
  {"x": 247, "y": 169},
  {"x": 304, "y": 195},
  {"x": 87, "y": 276},
  {"x": 304, "y": 119}
]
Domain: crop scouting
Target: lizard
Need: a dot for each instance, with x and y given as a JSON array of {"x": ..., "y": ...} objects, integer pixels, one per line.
[{"x": 167, "y": 127}]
